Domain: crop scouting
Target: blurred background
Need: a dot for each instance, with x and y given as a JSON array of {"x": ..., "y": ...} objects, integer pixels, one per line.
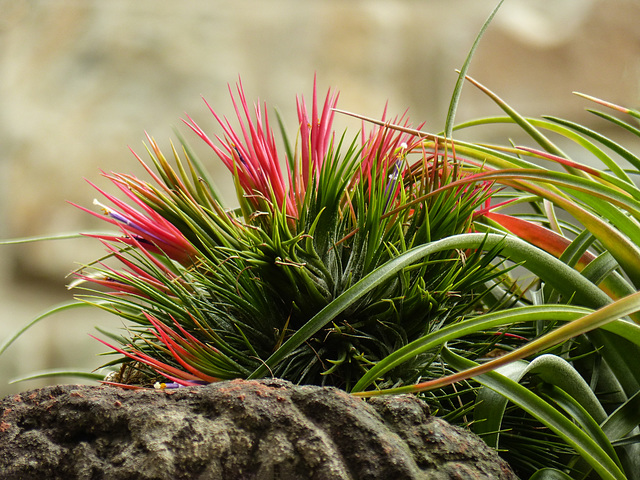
[{"x": 82, "y": 80}]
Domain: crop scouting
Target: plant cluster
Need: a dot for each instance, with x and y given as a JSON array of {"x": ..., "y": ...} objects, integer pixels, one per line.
[
  {"x": 384, "y": 264},
  {"x": 215, "y": 293}
]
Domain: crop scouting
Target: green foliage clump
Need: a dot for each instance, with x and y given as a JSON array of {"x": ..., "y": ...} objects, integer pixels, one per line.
[{"x": 230, "y": 287}]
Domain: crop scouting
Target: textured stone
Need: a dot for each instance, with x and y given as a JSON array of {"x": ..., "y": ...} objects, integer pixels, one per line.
[{"x": 268, "y": 429}]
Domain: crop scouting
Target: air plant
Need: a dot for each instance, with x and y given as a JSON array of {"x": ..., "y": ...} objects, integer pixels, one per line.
[
  {"x": 213, "y": 293},
  {"x": 377, "y": 264}
]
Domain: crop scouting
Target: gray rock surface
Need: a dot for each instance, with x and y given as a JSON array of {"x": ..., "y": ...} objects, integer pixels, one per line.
[{"x": 267, "y": 429}]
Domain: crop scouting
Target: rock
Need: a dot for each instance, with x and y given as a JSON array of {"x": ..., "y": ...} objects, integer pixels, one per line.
[{"x": 266, "y": 429}]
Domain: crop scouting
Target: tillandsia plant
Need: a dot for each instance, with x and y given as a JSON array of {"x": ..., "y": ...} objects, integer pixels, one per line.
[
  {"x": 215, "y": 293},
  {"x": 384, "y": 263}
]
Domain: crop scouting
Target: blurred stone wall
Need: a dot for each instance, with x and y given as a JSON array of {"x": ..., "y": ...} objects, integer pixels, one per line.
[{"x": 81, "y": 80}]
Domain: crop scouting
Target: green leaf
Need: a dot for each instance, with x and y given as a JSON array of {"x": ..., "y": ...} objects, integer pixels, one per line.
[
  {"x": 616, "y": 121},
  {"x": 57, "y": 236},
  {"x": 572, "y": 406},
  {"x": 199, "y": 166},
  {"x": 624, "y": 419},
  {"x": 586, "y": 447},
  {"x": 617, "y": 240},
  {"x": 549, "y": 474},
  {"x": 620, "y": 179},
  {"x": 549, "y": 368},
  {"x": 285, "y": 139},
  {"x": 57, "y": 309},
  {"x": 617, "y": 350},
  {"x": 457, "y": 91},
  {"x": 59, "y": 373}
]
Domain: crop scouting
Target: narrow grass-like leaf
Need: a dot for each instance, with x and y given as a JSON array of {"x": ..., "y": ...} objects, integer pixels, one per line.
[
  {"x": 57, "y": 309},
  {"x": 588, "y": 449},
  {"x": 567, "y": 133},
  {"x": 47, "y": 238},
  {"x": 617, "y": 350},
  {"x": 457, "y": 91},
  {"x": 613, "y": 106},
  {"x": 616, "y": 121},
  {"x": 59, "y": 373},
  {"x": 199, "y": 166},
  {"x": 619, "y": 149}
]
